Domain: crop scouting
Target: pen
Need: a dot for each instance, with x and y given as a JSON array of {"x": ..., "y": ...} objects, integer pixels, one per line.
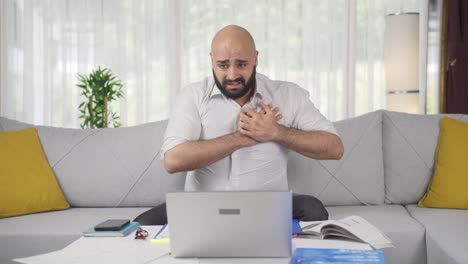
[
  {"x": 163, "y": 240},
  {"x": 159, "y": 232}
]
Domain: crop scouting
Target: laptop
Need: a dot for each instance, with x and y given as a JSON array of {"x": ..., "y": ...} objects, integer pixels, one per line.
[{"x": 230, "y": 224}]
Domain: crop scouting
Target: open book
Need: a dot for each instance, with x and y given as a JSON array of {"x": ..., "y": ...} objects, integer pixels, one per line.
[{"x": 353, "y": 228}]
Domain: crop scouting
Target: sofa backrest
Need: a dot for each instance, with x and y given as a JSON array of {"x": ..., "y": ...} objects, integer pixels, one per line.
[
  {"x": 409, "y": 147},
  {"x": 358, "y": 178},
  {"x": 107, "y": 167},
  {"x": 388, "y": 158}
]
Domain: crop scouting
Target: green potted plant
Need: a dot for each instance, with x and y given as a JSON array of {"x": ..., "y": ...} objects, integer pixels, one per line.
[{"x": 100, "y": 88}]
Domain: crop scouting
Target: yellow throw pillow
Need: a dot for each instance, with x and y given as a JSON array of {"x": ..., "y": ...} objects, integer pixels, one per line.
[
  {"x": 27, "y": 183},
  {"x": 449, "y": 185}
]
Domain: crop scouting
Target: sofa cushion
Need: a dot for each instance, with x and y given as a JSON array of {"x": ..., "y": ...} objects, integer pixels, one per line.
[
  {"x": 409, "y": 144},
  {"x": 355, "y": 179},
  {"x": 406, "y": 233},
  {"x": 34, "y": 234},
  {"x": 27, "y": 183},
  {"x": 446, "y": 233},
  {"x": 107, "y": 167},
  {"x": 447, "y": 188}
]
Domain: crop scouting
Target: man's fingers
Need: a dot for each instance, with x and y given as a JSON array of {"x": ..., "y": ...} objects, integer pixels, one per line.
[
  {"x": 245, "y": 132},
  {"x": 241, "y": 129},
  {"x": 243, "y": 126},
  {"x": 244, "y": 118},
  {"x": 275, "y": 110},
  {"x": 246, "y": 114},
  {"x": 247, "y": 117},
  {"x": 266, "y": 107},
  {"x": 249, "y": 112}
]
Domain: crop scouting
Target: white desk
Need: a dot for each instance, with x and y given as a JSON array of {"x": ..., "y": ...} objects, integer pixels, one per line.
[{"x": 127, "y": 250}]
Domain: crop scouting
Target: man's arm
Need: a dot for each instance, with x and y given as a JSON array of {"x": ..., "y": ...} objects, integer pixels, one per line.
[
  {"x": 193, "y": 155},
  {"x": 197, "y": 154},
  {"x": 314, "y": 144}
]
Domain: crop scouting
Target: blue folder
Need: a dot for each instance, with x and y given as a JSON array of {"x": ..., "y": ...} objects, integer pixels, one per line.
[
  {"x": 342, "y": 256},
  {"x": 296, "y": 228}
]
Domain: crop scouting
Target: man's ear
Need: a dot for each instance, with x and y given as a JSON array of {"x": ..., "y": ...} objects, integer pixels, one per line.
[
  {"x": 256, "y": 57},
  {"x": 211, "y": 58}
]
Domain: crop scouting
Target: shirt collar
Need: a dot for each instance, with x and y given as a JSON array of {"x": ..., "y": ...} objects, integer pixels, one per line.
[{"x": 262, "y": 91}]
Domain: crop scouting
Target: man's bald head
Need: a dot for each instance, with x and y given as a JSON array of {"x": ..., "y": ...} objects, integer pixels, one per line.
[
  {"x": 234, "y": 59},
  {"x": 233, "y": 39}
]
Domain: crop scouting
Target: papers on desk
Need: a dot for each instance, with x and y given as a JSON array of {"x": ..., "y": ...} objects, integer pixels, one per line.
[
  {"x": 127, "y": 250},
  {"x": 114, "y": 250}
]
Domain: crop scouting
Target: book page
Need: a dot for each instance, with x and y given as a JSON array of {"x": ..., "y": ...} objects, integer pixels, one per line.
[
  {"x": 364, "y": 230},
  {"x": 357, "y": 229}
]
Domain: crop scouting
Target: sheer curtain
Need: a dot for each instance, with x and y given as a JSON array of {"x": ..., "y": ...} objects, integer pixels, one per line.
[{"x": 332, "y": 48}]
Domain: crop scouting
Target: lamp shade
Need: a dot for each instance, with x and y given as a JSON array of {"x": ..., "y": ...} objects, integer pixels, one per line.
[{"x": 401, "y": 62}]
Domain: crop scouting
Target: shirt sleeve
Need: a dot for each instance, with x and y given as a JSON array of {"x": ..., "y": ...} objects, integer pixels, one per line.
[
  {"x": 184, "y": 121},
  {"x": 308, "y": 117}
]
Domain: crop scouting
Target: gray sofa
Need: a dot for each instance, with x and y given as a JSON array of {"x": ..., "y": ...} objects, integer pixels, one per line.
[{"x": 117, "y": 173}]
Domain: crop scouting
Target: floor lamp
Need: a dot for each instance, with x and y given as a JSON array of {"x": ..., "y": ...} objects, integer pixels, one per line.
[{"x": 401, "y": 62}]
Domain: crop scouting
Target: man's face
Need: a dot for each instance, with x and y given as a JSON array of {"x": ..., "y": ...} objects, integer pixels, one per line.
[
  {"x": 234, "y": 63},
  {"x": 235, "y": 88}
]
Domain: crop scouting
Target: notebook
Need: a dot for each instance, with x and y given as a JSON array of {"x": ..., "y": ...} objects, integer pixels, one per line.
[
  {"x": 230, "y": 224},
  {"x": 119, "y": 233}
]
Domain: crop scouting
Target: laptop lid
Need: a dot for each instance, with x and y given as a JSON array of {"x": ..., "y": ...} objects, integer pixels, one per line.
[{"x": 230, "y": 224}]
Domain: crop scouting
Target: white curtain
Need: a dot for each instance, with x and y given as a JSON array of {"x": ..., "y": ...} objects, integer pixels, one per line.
[{"x": 333, "y": 48}]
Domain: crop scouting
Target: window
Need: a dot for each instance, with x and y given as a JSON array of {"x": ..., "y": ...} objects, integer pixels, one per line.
[{"x": 332, "y": 48}]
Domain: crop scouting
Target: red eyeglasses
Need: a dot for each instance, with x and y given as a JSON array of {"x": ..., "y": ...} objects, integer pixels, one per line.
[{"x": 141, "y": 233}]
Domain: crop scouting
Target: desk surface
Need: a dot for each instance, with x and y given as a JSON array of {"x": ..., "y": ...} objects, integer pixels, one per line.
[{"x": 128, "y": 250}]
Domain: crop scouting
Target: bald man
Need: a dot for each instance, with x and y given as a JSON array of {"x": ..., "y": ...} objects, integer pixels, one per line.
[{"x": 232, "y": 131}]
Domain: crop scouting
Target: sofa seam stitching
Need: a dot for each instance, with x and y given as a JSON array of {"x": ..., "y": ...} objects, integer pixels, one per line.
[
  {"x": 138, "y": 179},
  {"x": 73, "y": 147},
  {"x": 127, "y": 170},
  {"x": 417, "y": 154},
  {"x": 339, "y": 168},
  {"x": 407, "y": 141}
]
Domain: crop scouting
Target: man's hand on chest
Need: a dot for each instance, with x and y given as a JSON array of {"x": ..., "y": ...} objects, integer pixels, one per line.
[{"x": 261, "y": 126}]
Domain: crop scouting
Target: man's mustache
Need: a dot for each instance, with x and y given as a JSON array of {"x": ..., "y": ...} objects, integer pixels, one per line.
[{"x": 240, "y": 79}]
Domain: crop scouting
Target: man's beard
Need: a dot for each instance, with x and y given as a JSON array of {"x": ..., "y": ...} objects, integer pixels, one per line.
[{"x": 246, "y": 87}]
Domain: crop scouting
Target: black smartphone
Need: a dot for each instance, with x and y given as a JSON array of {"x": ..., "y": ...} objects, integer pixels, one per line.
[{"x": 112, "y": 225}]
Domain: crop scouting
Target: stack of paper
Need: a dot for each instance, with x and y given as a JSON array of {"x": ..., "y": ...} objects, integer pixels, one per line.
[{"x": 114, "y": 250}]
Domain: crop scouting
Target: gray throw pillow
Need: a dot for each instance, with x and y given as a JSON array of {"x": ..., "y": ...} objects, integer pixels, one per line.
[
  {"x": 155, "y": 216},
  {"x": 305, "y": 208},
  {"x": 308, "y": 208}
]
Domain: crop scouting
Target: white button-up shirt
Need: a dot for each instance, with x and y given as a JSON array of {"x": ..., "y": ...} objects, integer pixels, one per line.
[{"x": 202, "y": 112}]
